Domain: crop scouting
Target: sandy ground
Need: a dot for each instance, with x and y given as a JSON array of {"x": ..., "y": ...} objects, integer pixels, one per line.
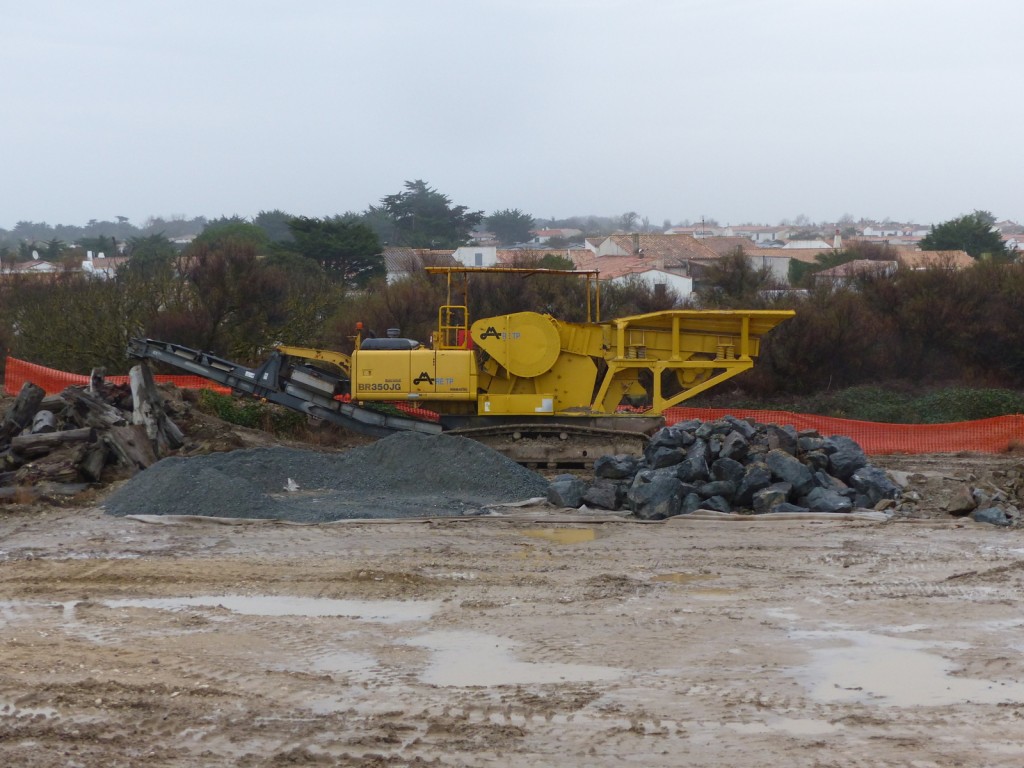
[{"x": 521, "y": 641}]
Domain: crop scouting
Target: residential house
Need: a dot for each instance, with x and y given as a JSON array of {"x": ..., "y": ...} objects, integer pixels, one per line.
[
  {"x": 541, "y": 236},
  {"x": 917, "y": 259},
  {"x": 805, "y": 244},
  {"x": 698, "y": 231},
  {"x": 659, "y": 260},
  {"x": 760, "y": 234},
  {"x": 476, "y": 255},
  {"x": 37, "y": 267}
]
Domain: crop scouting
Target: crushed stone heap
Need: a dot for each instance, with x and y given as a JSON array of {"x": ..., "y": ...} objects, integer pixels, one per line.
[{"x": 404, "y": 475}]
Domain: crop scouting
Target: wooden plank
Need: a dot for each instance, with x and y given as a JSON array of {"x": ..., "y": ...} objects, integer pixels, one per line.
[
  {"x": 149, "y": 411},
  {"x": 20, "y": 414},
  {"x": 40, "y": 445},
  {"x": 131, "y": 445},
  {"x": 90, "y": 411}
]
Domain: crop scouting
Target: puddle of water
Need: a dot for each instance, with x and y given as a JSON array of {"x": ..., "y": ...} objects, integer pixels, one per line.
[
  {"x": 10, "y": 709},
  {"x": 382, "y": 611},
  {"x": 714, "y": 592},
  {"x": 683, "y": 578},
  {"x": 790, "y": 725},
  {"x": 893, "y": 671},
  {"x": 477, "y": 659},
  {"x": 562, "y": 535}
]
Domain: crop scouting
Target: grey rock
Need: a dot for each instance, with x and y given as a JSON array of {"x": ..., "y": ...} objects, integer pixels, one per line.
[
  {"x": 768, "y": 498},
  {"x": 618, "y": 467},
  {"x": 756, "y": 476},
  {"x": 816, "y": 460},
  {"x": 875, "y": 484},
  {"x": 655, "y": 495},
  {"x": 824, "y": 480},
  {"x": 783, "y": 438},
  {"x": 805, "y": 444},
  {"x": 960, "y": 503},
  {"x": 717, "y": 504},
  {"x": 691, "y": 503},
  {"x": 727, "y": 469},
  {"x": 723, "y": 488},
  {"x": 663, "y": 457},
  {"x": 566, "y": 491},
  {"x": 788, "y": 469},
  {"x": 742, "y": 426},
  {"x": 990, "y": 515},
  {"x": 605, "y": 494},
  {"x": 715, "y": 446},
  {"x": 787, "y": 508},
  {"x": 824, "y": 500},
  {"x": 845, "y": 456},
  {"x": 695, "y": 466},
  {"x": 734, "y": 446}
]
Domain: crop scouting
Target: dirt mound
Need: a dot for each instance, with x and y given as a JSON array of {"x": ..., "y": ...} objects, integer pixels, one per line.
[{"x": 400, "y": 476}]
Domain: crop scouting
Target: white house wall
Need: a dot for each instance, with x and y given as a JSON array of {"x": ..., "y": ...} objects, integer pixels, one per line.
[
  {"x": 683, "y": 286},
  {"x": 476, "y": 256},
  {"x": 779, "y": 266}
]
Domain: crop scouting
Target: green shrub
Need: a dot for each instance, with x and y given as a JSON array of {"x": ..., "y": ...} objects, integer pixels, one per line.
[{"x": 251, "y": 413}]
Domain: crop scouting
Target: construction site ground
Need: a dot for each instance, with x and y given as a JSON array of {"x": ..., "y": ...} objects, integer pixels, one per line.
[{"x": 542, "y": 637}]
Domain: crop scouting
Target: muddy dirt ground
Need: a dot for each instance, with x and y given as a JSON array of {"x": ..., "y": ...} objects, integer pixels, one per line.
[{"x": 523, "y": 640}]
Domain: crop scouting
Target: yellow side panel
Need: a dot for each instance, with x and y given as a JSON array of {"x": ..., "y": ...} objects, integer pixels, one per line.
[
  {"x": 515, "y": 405},
  {"x": 571, "y": 380},
  {"x": 456, "y": 372},
  {"x": 418, "y": 374},
  {"x": 380, "y": 374},
  {"x": 524, "y": 343}
]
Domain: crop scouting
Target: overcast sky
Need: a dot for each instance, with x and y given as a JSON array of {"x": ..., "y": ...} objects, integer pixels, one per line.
[{"x": 741, "y": 110}]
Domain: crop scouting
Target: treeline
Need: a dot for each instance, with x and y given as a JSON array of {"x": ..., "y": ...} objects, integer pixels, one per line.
[
  {"x": 913, "y": 328},
  {"x": 228, "y": 296},
  {"x": 917, "y": 328}
]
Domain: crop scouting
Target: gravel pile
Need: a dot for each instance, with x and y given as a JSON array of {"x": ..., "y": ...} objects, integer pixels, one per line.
[{"x": 404, "y": 475}]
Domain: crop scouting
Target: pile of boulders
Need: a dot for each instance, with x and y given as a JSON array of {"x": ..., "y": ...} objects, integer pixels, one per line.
[
  {"x": 54, "y": 447},
  {"x": 732, "y": 465}
]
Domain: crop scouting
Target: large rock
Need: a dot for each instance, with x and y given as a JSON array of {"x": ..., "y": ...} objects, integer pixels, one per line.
[
  {"x": 782, "y": 438},
  {"x": 734, "y": 446},
  {"x": 663, "y": 457},
  {"x": 756, "y": 476},
  {"x": 845, "y": 456},
  {"x": 655, "y": 495},
  {"x": 605, "y": 494},
  {"x": 566, "y": 491},
  {"x": 727, "y": 469},
  {"x": 767, "y": 499},
  {"x": 788, "y": 469},
  {"x": 723, "y": 488},
  {"x": 825, "y": 500},
  {"x": 874, "y": 483},
  {"x": 716, "y": 504},
  {"x": 990, "y": 515},
  {"x": 622, "y": 466},
  {"x": 742, "y": 426}
]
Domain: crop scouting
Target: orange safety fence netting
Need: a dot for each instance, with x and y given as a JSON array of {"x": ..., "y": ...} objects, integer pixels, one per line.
[
  {"x": 53, "y": 381},
  {"x": 994, "y": 435}
]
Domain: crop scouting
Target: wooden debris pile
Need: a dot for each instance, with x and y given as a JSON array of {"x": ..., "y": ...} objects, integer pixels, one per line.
[{"x": 56, "y": 447}]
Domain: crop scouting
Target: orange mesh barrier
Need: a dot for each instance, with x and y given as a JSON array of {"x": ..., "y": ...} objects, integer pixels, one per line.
[
  {"x": 416, "y": 412},
  {"x": 54, "y": 381},
  {"x": 995, "y": 435}
]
